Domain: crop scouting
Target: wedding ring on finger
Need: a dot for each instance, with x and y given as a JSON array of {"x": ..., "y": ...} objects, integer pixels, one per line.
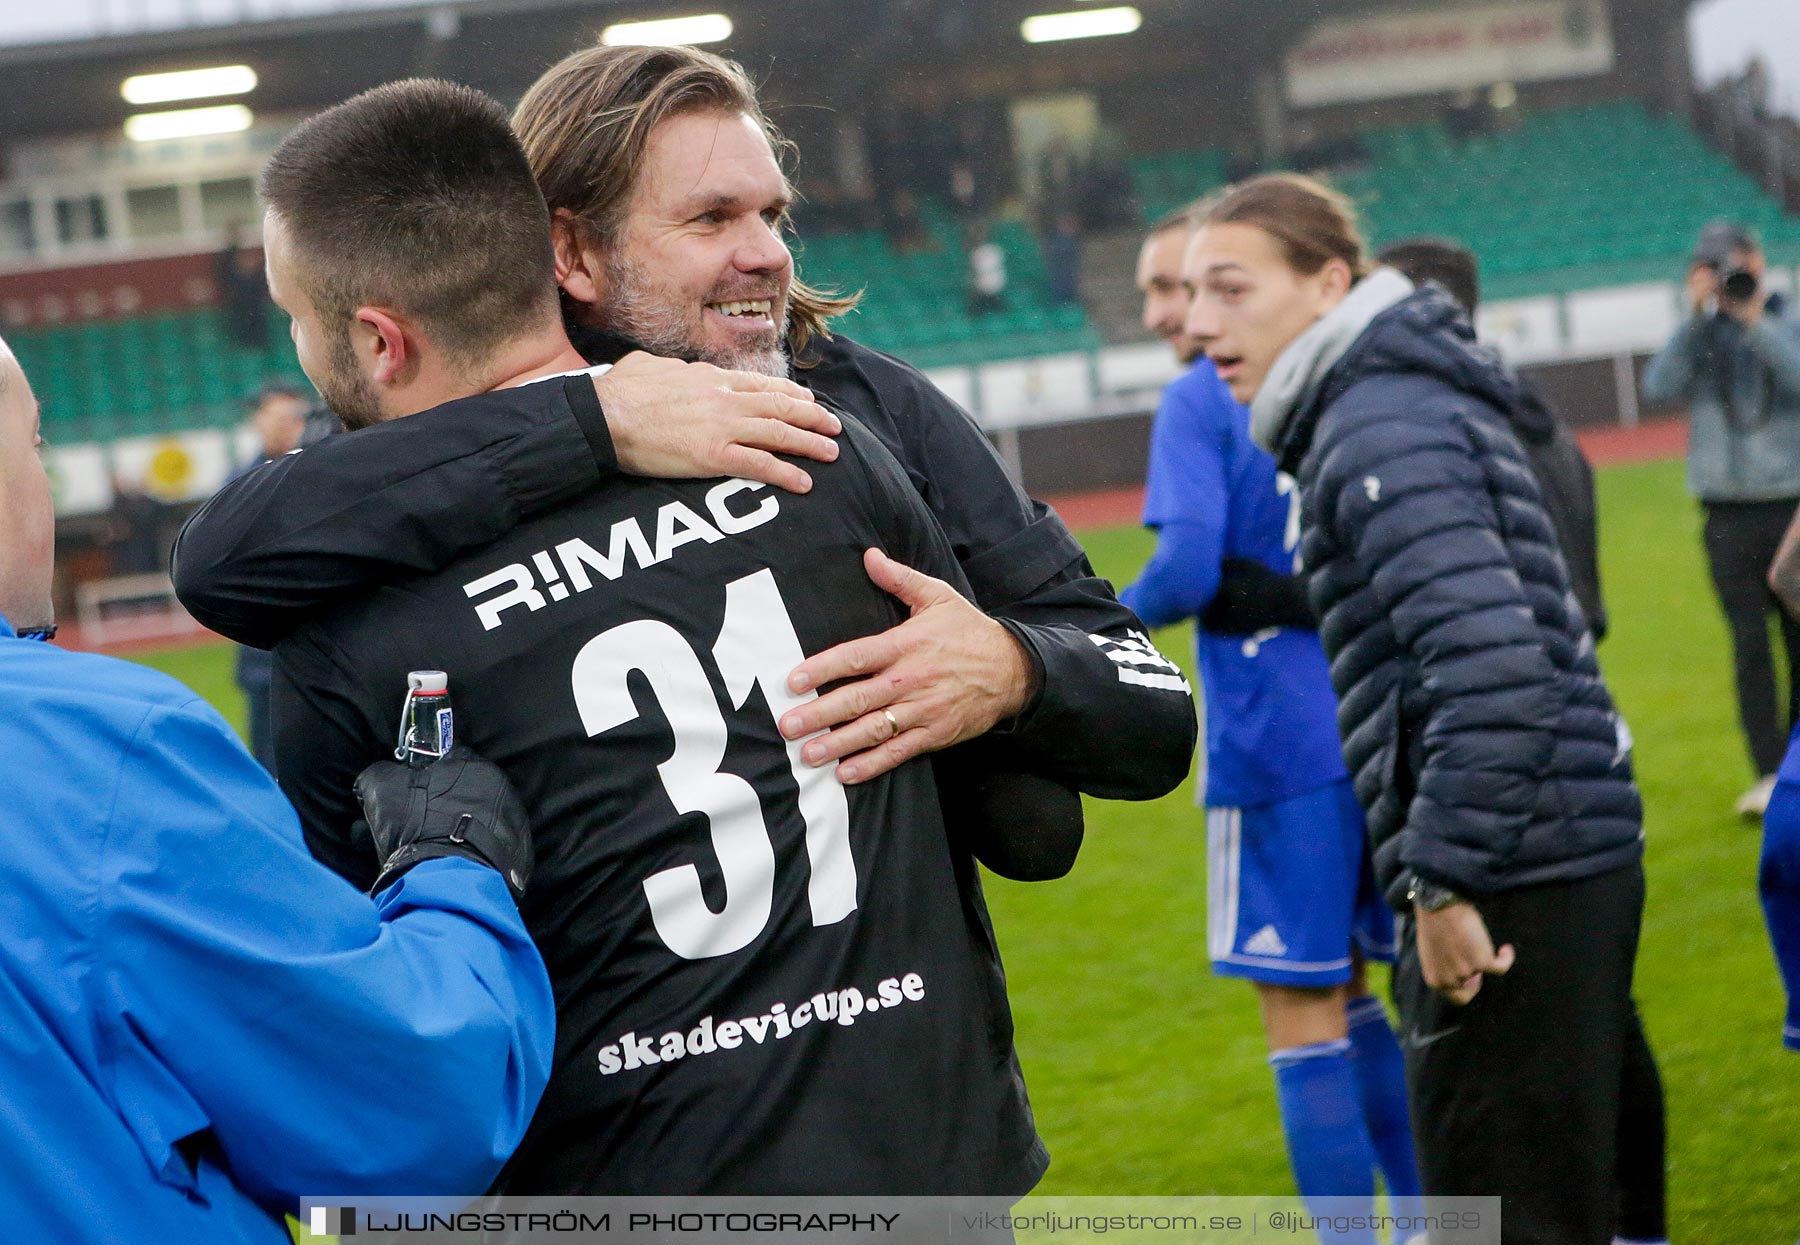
[{"x": 893, "y": 722}]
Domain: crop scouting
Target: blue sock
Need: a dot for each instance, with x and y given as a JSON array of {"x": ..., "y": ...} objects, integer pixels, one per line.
[
  {"x": 1381, "y": 1079},
  {"x": 1328, "y": 1143}
]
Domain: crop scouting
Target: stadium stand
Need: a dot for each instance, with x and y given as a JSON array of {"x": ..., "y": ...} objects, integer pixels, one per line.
[
  {"x": 1170, "y": 180},
  {"x": 1571, "y": 199},
  {"x": 1574, "y": 198},
  {"x": 916, "y": 304},
  {"x": 174, "y": 371},
  {"x": 170, "y": 371}
]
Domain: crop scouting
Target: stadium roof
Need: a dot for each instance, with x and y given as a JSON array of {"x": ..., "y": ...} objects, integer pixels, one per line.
[
  {"x": 311, "y": 53},
  {"x": 95, "y": 19},
  {"x": 307, "y": 53}
]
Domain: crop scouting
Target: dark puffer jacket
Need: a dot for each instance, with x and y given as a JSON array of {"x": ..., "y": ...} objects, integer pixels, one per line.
[{"x": 1482, "y": 741}]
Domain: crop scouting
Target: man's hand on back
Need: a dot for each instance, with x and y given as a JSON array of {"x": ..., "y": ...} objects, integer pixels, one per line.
[
  {"x": 692, "y": 421},
  {"x": 946, "y": 674}
]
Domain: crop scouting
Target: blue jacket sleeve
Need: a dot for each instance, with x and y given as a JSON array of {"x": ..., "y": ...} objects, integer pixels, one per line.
[
  {"x": 331, "y": 1045},
  {"x": 1670, "y": 373},
  {"x": 1776, "y": 341},
  {"x": 1181, "y": 577},
  {"x": 1185, "y": 498}
]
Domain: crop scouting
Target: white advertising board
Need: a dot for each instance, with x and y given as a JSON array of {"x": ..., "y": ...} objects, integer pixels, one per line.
[{"x": 1449, "y": 48}]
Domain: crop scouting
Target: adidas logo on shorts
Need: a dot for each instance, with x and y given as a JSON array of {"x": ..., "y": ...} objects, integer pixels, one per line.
[{"x": 1265, "y": 941}]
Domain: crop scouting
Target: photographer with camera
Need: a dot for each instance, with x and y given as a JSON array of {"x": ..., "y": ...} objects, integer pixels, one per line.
[{"x": 1735, "y": 361}]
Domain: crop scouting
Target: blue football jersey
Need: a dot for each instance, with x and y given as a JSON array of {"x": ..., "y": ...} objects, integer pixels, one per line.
[{"x": 1212, "y": 493}]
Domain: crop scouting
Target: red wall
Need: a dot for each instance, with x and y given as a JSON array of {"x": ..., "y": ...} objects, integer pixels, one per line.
[{"x": 106, "y": 291}]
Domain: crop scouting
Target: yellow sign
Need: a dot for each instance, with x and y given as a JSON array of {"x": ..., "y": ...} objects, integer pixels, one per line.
[{"x": 170, "y": 473}]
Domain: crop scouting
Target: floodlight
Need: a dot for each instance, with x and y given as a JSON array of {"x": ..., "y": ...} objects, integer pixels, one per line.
[
  {"x": 164, "y": 88},
  {"x": 1083, "y": 24},
  {"x": 669, "y": 32},
  {"x": 151, "y": 127}
]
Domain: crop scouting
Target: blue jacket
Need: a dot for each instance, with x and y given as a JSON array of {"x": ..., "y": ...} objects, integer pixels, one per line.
[
  {"x": 1212, "y": 493},
  {"x": 1482, "y": 742},
  {"x": 200, "y": 1024},
  {"x": 1750, "y": 452}
]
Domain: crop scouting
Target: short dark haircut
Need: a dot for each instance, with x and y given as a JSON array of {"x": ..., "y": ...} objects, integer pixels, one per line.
[
  {"x": 417, "y": 196},
  {"x": 1439, "y": 260}
]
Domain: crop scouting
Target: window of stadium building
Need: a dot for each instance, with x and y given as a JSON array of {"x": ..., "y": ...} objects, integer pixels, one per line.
[
  {"x": 80, "y": 218},
  {"x": 15, "y": 227},
  {"x": 154, "y": 211},
  {"x": 228, "y": 202}
]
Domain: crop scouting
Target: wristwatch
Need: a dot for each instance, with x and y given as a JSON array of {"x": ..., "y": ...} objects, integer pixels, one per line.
[{"x": 1428, "y": 896}]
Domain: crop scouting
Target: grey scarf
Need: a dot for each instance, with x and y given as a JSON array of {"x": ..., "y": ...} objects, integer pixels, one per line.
[{"x": 1302, "y": 366}]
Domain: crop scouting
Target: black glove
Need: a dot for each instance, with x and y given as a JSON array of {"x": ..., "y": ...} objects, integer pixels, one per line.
[
  {"x": 1020, "y": 825},
  {"x": 1251, "y": 597},
  {"x": 460, "y": 805}
]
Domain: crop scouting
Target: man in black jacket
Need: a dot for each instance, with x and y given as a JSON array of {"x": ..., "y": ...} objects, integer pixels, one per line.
[
  {"x": 1562, "y": 470},
  {"x": 706, "y": 901},
  {"x": 1566, "y": 480},
  {"x": 697, "y": 269},
  {"x": 1256, "y": 598}
]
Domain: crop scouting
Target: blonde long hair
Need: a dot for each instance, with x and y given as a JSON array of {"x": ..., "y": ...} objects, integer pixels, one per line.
[
  {"x": 1312, "y": 223},
  {"x": 586, "y": 125}
]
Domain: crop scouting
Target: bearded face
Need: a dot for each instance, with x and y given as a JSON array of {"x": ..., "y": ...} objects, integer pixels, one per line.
[
  {"x": 344, "y": 387},
  {"x": 665, "y": 319},
  {"x": 698, "y": 269}
]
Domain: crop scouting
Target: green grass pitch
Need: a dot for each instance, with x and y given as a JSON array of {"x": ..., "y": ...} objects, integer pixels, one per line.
[{"x": 1147, "y": 1074}]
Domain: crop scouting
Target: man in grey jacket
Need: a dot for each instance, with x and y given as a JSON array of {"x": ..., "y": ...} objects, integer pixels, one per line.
[{"x": 1735, "y": 362}]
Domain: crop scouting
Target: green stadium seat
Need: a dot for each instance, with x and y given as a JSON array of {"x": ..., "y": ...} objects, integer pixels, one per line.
[
  {"x": 916, "y": 305},
  {"x": 147, "y": 375},
  {"x": 1585, "y": 196}
]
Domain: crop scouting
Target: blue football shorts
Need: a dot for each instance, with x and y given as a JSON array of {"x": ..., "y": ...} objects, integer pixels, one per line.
[{"x": 1290, "y": 891}]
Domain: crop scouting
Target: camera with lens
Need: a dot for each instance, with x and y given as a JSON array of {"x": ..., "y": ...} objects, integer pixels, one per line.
[
  {"x": 1736, "y": 285},
  {"x": 1722, "y": 249}
]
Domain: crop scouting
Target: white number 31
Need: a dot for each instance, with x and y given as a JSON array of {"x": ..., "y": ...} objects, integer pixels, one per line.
[{"x": 756, "y": 645}]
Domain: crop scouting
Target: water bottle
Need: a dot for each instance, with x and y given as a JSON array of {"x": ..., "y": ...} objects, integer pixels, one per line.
[{"x": 427, "y": 727}]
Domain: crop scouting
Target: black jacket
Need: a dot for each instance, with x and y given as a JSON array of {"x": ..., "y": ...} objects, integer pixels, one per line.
[
  {"x": 1481, "y": 739},
  {"x": 310, "y": 530},
  {"x": 1566, "y": 480},
  {"x": 1251, "y": 596}
]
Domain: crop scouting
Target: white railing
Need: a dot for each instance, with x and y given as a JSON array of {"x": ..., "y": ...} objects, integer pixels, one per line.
[{"x": 1008, "y": 396}]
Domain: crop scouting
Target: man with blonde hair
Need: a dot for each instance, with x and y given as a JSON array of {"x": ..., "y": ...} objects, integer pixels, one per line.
[
  {"x": 668, "y": 201},
  {"x": 766, "y": 983}
]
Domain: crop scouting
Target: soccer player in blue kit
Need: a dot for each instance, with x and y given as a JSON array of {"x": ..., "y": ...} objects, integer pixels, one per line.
[
  {"x": 1780, "y": 874},
  {"x": 1779, "y": 878},
  {"x": 1780, "y": 881},
  {"x": 1291, "y": 902}
]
